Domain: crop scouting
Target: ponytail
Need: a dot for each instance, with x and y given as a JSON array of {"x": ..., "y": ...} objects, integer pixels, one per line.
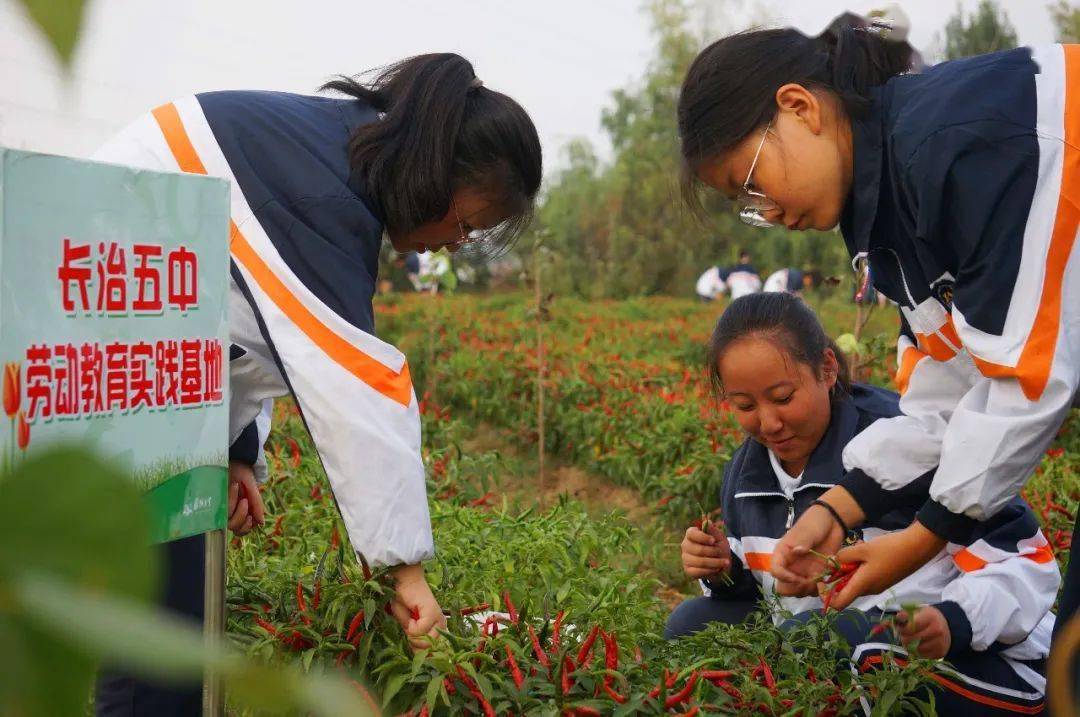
[
  {"x": 441, "y": 130},
  {"x": 730, "y": 88}
]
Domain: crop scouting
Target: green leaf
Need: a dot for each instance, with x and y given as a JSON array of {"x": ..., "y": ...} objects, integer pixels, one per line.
[
  {"x": 149, "y": 642},
  {"x": 60, "y": 21},
  {"x": 393, "y": 687},
  {"x": 432, "y": 693},
  {"x": 67, "y": 515}
]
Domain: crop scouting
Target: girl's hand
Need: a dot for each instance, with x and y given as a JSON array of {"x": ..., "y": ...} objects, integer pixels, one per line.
[
  {"x": 794, "y": 563},
  {"x": 886, "y": 560},
  {"x": 705, "y": 554},
  {"x": 415, "y": 607},
  {"x": 245, "y": 503},
  {"x": 926, "y": 632}
]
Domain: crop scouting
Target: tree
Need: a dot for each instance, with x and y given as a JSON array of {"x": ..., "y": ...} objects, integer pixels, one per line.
[
  {"x": 987, "y": 30},
  {"x": 1066, "y": 20},
  {"x": 619, "y": 229}
]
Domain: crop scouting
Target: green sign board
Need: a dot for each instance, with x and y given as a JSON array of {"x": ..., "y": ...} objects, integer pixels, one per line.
[{"x": 113, "y": 330}]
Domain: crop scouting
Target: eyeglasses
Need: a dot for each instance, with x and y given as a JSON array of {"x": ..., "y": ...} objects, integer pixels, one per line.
[
  {"x": 472, "y": 237},
  {"x": 754, "y": 203}
]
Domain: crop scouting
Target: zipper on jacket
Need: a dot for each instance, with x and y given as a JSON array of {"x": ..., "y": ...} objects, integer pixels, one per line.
[
  {"x": 911, "y": 298},
  {"x": 790, "y": 513}
]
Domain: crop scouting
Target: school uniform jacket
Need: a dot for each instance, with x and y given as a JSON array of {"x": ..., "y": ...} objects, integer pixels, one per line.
[
  {"x": 996, "y": 591},
  {"x": 304, "y": 247},
  {"x": 966, "y": 203}
]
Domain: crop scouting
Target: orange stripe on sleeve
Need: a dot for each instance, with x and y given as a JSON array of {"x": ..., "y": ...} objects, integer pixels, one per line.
[
  {"x": 1042, "y": 555},
  {"x": 908, "y": 361},
  {"x": 1032, "y": 370},
  {"x": 168, "y": 118},
  {"x": 759, "y": 561},
  {"x": 390, "y": 383},
  {"x": 968, "y": 561},
  {"x": 396, "y": 385}
]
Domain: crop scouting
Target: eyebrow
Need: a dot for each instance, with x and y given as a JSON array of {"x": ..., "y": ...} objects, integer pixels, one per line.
[{"x": 778, "y": 384}]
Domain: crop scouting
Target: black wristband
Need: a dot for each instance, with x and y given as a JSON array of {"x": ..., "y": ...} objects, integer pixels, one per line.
[{"x": 826, "y": 506}]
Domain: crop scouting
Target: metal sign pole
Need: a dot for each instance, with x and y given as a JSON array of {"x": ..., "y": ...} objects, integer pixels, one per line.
[{"x": 214, "y": 620}]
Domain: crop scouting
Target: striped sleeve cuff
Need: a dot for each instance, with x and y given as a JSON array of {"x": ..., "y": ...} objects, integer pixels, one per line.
[
  {"x": 959, "y": 627},
  {"x": 246, "y": 446},
  {"x": 954, "y": 527}
]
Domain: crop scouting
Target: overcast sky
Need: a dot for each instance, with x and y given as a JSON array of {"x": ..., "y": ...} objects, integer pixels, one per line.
[{"x": 560, "y": 58}]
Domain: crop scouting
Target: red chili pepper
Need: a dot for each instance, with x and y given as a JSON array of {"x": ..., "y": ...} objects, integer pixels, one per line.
[
  {"x": 341, "y": 657},
  {"x": 810, "y": 674},
  {"x": 844, "y": 570},
  {"x": 266, "y": 626},
  {"x": 317, "y": 597},
  {"x": 1058, "y": 508},
  {"x": 474, "y": 609},
  {"x": 449, "y": 685},
  {"x": 364, "y": 566},
  {"x": 335, "y": 542},
  {"x": 482, "y": 501},
  {"x": 770, "y": 681},
  {"x": 301, "y": 603},
  {"x": 730, "y": 689},
  {"x": 354, "y": 625},
  {"x": 714, "y": 675},
  {"x": 489, "y": 711},
  {"x": 510, "y": 607},
  {"x": 294, "y": 449},
  {"x": 621, "y": 699},
  {"x": 584, "y": 655},
  {"x": 277, "y": 525},
  {"x": 414, "y": 613},
  {"x": 683, "y": 694},
  {"x": 667, "y": 681},
  {"x": 556, "y": 630},
  {"x": 515, "y": 671},
  {"x": 567, "y": 668},
  {"x": 541, "y": 656},
  {"x": 424, "y": 712},
  {"x": 879, "y": 628},
  {"x": 834, "y": 591},
  {"x": 490, "y": 628},
  {"x": 692, "y": 712},
  {"x": 586, "y": 712},
  {"x": 611, "y": 654}
]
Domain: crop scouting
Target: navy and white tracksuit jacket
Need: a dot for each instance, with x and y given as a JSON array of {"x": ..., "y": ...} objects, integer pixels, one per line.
[
  {"x": 996, "y": 590},
  {"x": 966, "y": 204},
  {"x": 304, "y": 247}
]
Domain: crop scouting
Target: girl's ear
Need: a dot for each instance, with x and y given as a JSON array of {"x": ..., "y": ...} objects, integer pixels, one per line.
[
  {"x": 830, "y": 368},
  {"x": 797, "y": 101}
]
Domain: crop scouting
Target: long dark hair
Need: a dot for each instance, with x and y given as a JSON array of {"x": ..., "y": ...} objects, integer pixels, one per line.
[
  {"x": 441, "y": 130},
  {"x": 730, "y": 88},
  {"x": 786, "y": 321}
]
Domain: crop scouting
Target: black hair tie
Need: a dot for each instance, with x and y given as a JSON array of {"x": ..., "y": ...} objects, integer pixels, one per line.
[{"x": 832, "y": 510}]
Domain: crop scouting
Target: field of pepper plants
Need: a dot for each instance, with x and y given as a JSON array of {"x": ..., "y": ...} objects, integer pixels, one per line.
[{"x": 556, "y": 591}]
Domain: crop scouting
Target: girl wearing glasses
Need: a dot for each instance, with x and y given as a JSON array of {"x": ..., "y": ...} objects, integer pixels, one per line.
[
  {"x": 423, "y": 155},
  {"x": 957, "y": 192}
]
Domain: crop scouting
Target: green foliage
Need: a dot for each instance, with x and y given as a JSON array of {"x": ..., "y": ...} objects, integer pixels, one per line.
[
  {"x": 987, "y": 30},
  {"x": 76, "y": 577},
  {"x": 557, "y": 560},
  {"x": 60, "y": 21},
  {"x": 1066, "y": 18}
]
